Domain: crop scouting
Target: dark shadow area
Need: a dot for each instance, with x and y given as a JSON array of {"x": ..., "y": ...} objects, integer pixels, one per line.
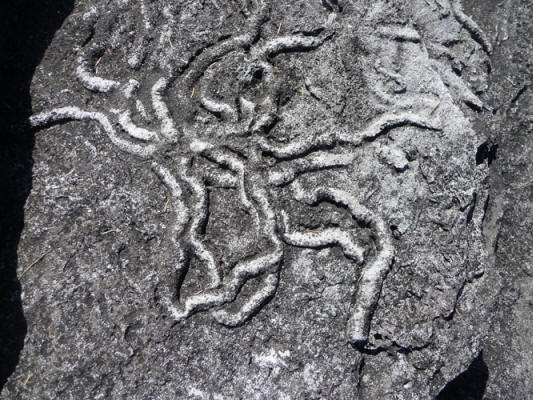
[
  {"x": 470, "y": 385},
  {"x": 26, "y": 30},
  {"x": 486, "y": 151}
]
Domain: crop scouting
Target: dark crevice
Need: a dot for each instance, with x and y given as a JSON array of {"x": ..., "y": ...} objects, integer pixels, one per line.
[
  {"x": 360, "y": 373},
  {"x": 179, "y": 280},
  {"x": 375, "y": 351},
  {"x": 90, "y": 36},
  {"x": 313, "y": 33},
  {"x": 486, "y": 151},
  {"x": 327, "y": 6},
  {"x": 332, "y": 6},
  {"x": 391, "y": 347},
  {"x": 318, "y": 147},
  {"x": 318, "y": 248},
  {"x": 470, "y": 385},
  {"x": 470, "y": 214},
  {"x": 485, "y": 211},
  {"x": 519, "y": 94},
  {"x": 473, "y": 106},
  {"x": 451, "y": 42},
  {"x": 202, "y": 227},
  {"x": 482, "y": 153},
  {"x": 397, "y": 124},
  {"x": 492, "y": 154}
]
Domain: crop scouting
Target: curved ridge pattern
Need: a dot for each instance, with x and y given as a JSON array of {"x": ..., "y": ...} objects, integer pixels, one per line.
[{"x": 254, "y": 173}]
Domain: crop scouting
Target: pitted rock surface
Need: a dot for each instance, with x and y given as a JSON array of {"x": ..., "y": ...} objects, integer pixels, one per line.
[{"x": 258, "y": 199}]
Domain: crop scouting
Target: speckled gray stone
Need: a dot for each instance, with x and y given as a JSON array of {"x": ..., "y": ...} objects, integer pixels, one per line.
[{"x": 262, "y": 199}]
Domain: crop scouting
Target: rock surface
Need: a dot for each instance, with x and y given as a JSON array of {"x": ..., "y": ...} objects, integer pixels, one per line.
[
  {"x": 254, "y": 199},
  {"x": 508, "y": 351}
]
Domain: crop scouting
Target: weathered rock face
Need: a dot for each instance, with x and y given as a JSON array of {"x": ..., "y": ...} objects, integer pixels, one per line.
[
  {"x": 258, "y": 200},
  {"x": 508, "y": 351}
]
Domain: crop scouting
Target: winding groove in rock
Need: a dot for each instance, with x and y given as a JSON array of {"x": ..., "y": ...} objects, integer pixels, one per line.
[{"x": 246, "y": 173}]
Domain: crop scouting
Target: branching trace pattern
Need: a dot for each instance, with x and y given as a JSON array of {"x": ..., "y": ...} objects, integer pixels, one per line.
[{"x": 246, "y": 172}]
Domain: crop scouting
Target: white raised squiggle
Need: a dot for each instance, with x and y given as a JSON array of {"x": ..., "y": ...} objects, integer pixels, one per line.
[
  {"x": 257, "y": 172},
  {"x": 92, "y": 82}
]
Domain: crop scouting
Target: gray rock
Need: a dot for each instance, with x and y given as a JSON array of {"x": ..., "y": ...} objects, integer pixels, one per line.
[
  {"x": 508, "y": 352},
  {"x": 253, "y": 199}
]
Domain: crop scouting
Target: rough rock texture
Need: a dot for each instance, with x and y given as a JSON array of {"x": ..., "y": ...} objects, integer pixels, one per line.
[
  {"x": 508, "y": 352},
  {"x": 254, "y": 199}
]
